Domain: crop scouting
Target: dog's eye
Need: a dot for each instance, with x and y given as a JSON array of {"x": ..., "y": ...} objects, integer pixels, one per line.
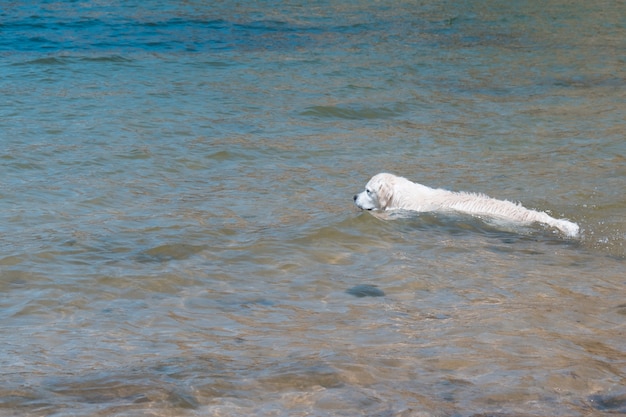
[{"x": 368, "y": 191}]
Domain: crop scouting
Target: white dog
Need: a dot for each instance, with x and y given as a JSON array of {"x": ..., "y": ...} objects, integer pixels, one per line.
[{"x": 390, "y": 192}]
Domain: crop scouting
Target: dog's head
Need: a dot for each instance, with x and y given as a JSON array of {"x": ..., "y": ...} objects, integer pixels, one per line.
[{"x": 378, "y": 193}]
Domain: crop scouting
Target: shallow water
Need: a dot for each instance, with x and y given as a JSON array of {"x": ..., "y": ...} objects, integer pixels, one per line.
[{"x": 178, "y": 235}]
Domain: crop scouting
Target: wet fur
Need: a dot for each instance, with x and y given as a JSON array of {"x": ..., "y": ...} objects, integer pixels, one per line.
[{"x": 390, "y": 192}]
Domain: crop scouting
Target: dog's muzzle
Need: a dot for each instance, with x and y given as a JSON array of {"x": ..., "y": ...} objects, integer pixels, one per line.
[{"x": 356, "y": 196}]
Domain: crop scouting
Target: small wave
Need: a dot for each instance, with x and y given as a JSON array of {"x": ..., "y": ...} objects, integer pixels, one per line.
[
  {"x": 106, "y": 58},
  {"x": 353, "y": 113},
  {"x": 68, "y": 59},
  {"x": 168, "y": 252},
  {"x": 186, "y": 23},
  {"x": 50, "y": 60},
  {"x": 461, "y": 224},
  {"x": 266, "y": 26}
]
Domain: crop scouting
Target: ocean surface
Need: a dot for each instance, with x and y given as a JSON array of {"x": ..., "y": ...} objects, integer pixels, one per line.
[{"x": 177, "y": 230}]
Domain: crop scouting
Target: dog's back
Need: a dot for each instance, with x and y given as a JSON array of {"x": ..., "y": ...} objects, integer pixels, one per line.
[{"x": 401, "y": 193}]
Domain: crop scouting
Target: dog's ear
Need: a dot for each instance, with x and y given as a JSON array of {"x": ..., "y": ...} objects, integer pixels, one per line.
[{"x": 384, "y": 194}]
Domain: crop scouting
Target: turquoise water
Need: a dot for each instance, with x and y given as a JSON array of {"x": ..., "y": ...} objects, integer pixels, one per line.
[{"x": 177, "y": 231}]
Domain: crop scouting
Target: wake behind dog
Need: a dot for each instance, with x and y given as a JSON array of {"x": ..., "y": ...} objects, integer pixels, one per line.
[{"x": 390, "y": 192}]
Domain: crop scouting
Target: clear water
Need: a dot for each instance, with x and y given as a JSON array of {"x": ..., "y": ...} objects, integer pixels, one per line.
[{"x": 177, "y": 233}]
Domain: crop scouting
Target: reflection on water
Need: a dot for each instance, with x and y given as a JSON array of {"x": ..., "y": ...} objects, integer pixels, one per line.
[{"x": 178, "y": 235}]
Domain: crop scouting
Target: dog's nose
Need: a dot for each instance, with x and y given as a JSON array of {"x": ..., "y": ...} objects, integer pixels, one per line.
[{"x": 355, "y": 196}]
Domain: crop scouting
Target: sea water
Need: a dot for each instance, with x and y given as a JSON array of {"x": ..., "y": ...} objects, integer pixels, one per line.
[{"x": 178, "y": 237}]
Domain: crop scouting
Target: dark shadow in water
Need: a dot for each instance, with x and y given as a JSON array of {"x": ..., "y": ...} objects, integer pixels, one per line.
[
  {"x": 613, "y": 403},
  {"x": 365, "y": 290}
]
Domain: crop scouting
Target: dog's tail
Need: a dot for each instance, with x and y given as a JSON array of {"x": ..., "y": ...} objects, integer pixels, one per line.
[{"x": 570, "y": 229}]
